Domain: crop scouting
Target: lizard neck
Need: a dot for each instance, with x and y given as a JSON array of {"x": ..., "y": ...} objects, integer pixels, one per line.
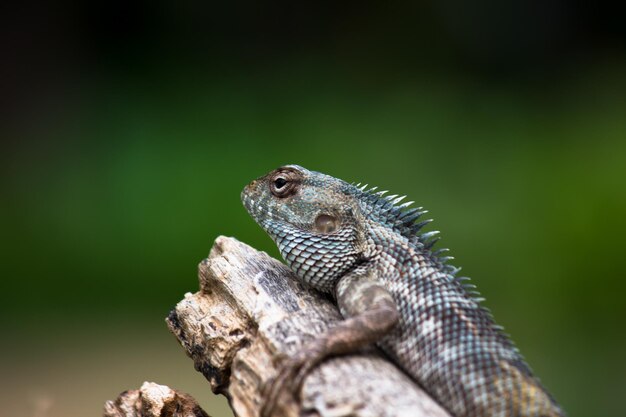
[{"x": 397, "y": 252}]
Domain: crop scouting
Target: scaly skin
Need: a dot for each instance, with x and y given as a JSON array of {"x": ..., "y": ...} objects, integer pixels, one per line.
[{"x": 393, "y": 290}]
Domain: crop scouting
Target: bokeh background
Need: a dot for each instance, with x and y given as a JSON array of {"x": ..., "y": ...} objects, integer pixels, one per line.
[{"x": 129, "y": 129}]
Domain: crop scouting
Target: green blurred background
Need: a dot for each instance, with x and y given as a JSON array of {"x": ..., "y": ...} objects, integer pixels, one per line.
[{"x": 129, "y": 129}]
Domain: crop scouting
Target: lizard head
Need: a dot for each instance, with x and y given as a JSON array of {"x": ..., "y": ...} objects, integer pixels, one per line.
[{"x": 311, "y": 217}]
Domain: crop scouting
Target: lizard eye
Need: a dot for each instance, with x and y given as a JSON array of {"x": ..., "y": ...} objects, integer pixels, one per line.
[
  {"x": 280, "y": 183},
  {"x": 282, "y": 186},
  {"x": 325, "y": 223}
]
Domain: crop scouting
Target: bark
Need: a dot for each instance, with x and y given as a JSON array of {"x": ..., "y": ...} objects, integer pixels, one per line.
[
  {"x": 251, "y": 313},
  {"x": 153, "y": 400}
]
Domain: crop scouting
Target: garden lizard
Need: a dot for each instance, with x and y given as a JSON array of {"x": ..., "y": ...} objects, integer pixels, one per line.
[{"x": 394, "y": 290}]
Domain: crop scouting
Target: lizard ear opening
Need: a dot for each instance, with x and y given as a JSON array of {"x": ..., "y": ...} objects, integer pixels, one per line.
[{"x": 325, "y": 223}]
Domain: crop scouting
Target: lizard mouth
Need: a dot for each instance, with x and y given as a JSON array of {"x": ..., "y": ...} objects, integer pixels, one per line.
[{"x": 246, "y": 199}]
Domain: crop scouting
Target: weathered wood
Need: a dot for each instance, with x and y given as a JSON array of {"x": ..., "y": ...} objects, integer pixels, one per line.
[
  {"x": 251, "y": 312},
  {"x": 153, "y": 400}
]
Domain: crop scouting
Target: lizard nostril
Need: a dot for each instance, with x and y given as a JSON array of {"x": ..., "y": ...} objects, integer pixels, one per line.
[{"x": 248, "y": 188}]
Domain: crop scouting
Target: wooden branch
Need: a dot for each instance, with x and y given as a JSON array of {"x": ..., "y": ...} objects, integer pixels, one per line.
[
  {"x": 153, "y": 400},
  {"x": 251, "y": 312}
]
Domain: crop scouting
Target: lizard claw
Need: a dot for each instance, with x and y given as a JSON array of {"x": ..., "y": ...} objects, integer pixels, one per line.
[{"x": 289, "y": 380}]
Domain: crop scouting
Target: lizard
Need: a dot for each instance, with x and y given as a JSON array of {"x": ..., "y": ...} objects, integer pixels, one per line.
[{"x": 393, "y": 289}]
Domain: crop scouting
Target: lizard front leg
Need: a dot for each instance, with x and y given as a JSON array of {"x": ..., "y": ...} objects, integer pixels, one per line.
[{"x": 370, "y": 313}]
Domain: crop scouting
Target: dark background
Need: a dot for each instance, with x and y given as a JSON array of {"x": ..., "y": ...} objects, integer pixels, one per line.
[{"x": 129, "y": 129}]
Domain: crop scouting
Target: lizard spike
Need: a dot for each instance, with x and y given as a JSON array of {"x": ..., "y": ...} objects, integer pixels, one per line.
[
  {"x": 478, "y": 300},
  {"x": 409, "y": 212},
  {"x": 410, "y": 217},
  {"x": 357, "y": 185},
  {"x": 486, "y": 311},
  {"x": 397, "y": 200},
  {"x": 440, "y": 251},
  {"x": 428, "y": 235},
  {"x": 420, "y": 212},
  {"x": 382, "y": 204},
  {"x": 371, "y": 190},
  {"x": 391, "y": 197},
  {"x": 421, "y": 224},
  {"x": 451, "y": 269},
  {"x": 431, "y": 243},
  {"x": 405, "y": 205},
  {"x": 381, "y": 193},
  {"x": 444, "y": 259},
  {"x": 363, "y": 187}
]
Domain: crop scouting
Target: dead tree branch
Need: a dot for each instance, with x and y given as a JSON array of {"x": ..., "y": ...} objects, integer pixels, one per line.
[{"x": 250, "y": 313}]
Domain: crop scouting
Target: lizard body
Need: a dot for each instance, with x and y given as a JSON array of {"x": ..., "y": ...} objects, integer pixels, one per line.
[{"x": 394, "y": 290}]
